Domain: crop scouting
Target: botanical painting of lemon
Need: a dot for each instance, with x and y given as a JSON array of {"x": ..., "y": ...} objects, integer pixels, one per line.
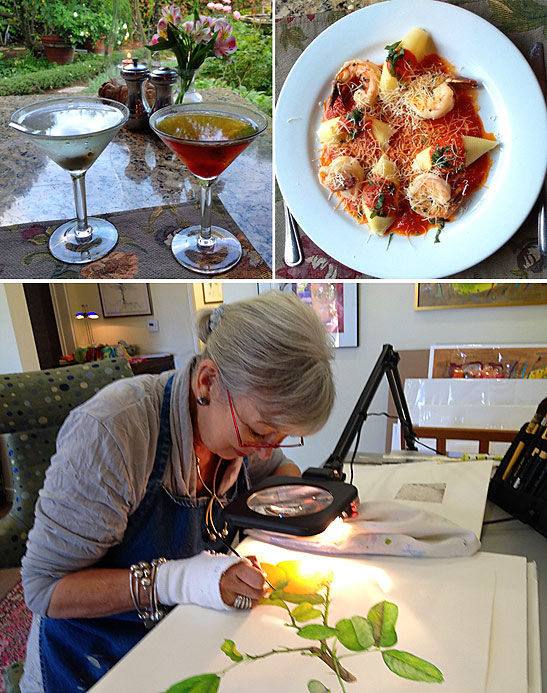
[{"x": 301, "y": 580}]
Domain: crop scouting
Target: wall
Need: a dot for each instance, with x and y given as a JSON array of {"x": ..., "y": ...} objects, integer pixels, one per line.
[
  {"x": 386, "y": 315},
  {"x": 170, "y": 306},
  {"x": 17, "y": 348}
]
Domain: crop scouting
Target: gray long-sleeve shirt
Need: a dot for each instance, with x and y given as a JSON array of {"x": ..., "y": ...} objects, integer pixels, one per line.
[{"x": 97, "y": 478}]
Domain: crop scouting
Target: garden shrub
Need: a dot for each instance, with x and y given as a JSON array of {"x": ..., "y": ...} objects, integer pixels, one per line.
[
  {"x": 56, "y": 76},
  {"x": 252, "y": 63}
]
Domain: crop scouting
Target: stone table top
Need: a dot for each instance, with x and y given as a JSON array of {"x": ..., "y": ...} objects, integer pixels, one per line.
[{"x": 136, "y": 170}]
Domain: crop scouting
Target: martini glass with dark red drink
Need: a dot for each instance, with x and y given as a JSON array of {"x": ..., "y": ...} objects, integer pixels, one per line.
[{"x": 207, "y": 137}]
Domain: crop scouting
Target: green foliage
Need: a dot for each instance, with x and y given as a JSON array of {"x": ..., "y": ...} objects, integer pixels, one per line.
[
  {"x": 305, "y": 612},
  {"x": 12, "y": 67},
  {"x": 355, "y": 633},
  {"x": 411, "y": 667},
  {"x": 204, "y": 683},
  {"x": 317, "y": 687},
  {"x": 229, "y": 649},
  {"x": 55, "y": 76},
  {"x": 252, "y": 62},
  {"x": 317, "y": 632},
  {"x": 383, "y": 617}
]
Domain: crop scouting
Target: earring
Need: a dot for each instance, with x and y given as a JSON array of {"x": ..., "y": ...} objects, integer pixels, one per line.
[{"x": 202, "y": 401}]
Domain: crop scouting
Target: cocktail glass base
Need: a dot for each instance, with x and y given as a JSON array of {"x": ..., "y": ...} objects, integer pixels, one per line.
[
  {"x": 64, "y": 245},
  {"x": 223, "y": 253}
]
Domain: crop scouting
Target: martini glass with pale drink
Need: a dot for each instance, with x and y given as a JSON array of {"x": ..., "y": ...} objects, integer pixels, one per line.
[
  {"x": 207, "y": 137},
  {"x": 74, "y": 131}
]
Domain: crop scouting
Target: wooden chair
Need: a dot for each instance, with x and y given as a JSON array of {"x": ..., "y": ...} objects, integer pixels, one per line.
[{"x": 483, "y": 436}]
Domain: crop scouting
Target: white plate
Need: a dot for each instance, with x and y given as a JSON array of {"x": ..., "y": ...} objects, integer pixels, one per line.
[{"x": 511, "y": 106}]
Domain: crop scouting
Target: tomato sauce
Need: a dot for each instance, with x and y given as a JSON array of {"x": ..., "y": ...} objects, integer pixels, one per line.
[{"x": 444, "y": 132}]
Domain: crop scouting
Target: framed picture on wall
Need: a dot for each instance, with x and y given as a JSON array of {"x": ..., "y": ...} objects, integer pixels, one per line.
[
  {"x": 335, "y": 303},
  {"x": 125, "y": 300},
  {"x": 212, "y": 292},
  {"x": 478, "y": 295}
]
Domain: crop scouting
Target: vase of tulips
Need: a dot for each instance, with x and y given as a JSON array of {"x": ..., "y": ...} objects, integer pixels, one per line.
[{"x": 192, "y": 40}]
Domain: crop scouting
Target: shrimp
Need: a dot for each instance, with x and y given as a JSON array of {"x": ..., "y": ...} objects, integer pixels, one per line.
[
  {"x": 433, "y": 103},
  {"x": 343, "y": 173},
  {"x": 430, "y": 196},
  {"x": 363, "y": 79}
]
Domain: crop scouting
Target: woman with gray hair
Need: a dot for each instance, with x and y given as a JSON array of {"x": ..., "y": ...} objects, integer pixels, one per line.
[{"x": 129, "y": 522}]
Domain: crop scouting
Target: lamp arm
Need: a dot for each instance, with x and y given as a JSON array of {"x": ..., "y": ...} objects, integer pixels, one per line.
[{"x": 385, "y": 365}]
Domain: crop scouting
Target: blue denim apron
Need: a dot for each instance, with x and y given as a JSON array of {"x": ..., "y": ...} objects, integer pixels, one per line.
[{"x": 75, "y": 653}]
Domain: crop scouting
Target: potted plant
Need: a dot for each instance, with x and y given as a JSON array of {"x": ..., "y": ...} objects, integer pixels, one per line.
[
  {"x": 64, "y": 23},
  {"x": 97, "y": 20}
]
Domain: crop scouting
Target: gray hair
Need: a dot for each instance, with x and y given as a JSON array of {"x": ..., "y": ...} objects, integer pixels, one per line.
[{"x": 274, "y": 349}]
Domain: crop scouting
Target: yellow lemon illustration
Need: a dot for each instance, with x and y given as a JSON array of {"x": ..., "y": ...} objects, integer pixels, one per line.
[
  {"x": 302, "y": 581},
  {"x": 273, "y": 572}
]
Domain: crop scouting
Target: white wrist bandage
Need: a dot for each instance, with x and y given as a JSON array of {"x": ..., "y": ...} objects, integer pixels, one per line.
[{"x": 194, "y": 580}]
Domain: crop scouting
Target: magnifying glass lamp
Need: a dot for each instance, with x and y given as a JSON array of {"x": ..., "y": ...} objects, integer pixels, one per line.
[{"x": 306, "y": 506}]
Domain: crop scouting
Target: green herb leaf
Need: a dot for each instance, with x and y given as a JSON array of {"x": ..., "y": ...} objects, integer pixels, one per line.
[
  {"x": 355, "y": 633},
  {"x": 305, "y": 612},
  {"x": 439, "y": 229},
  {"x": 394, "y": 55},
  {"x": 315, "y": 686},
  {"x": 383, "y": 617},
  {"x": 411, "y": 667},
  {"x": 204, "y": 683},
  {"x": 317, "y": 632},
  {"x": 229, "y": 649},
  {"x": 390, "y": 239}
]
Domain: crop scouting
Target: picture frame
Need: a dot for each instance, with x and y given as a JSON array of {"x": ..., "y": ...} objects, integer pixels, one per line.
[
  {"x": 212, "y": 292},
  {"x": 442, "y": 295},
  {"x": 125, "y": 300},
  {"x": 336, "y": 303}
]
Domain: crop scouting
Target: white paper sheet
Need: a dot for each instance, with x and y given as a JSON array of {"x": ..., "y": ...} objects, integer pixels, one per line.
[
  {"x": 464, "y": 487},
  {"x": 445, "y": 614}
]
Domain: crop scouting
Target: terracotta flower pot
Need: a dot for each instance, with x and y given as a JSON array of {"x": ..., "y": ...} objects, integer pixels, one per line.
[
  {"x": 93, "y": 46},
  {"x": 57, "y": 49}
]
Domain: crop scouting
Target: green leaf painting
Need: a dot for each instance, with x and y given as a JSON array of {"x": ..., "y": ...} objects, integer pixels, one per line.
[
  {"x": 229, "y": 649},
  {"x": 311, "y": 592},
  {"x": 383, "y": 617},
  {"x": 305, "y": 612},
  {"x": 204, "y": 683},
  {"x": 316, "y": 632},
  {"x": 317, "y": 687},
  {"x": 355, "y": 633},
  {"x": 411, "y": 667}
]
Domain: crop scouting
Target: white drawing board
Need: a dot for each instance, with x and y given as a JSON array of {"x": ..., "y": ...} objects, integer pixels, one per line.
[
  {"x": 455, "y": 490},
  {"x": 445, "y": 616}
]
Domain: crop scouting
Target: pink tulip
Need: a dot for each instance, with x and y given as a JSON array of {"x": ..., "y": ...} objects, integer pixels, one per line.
[
  {"x": 227, "y": 8},
  {"x": 219, "y": 6},
  {"x": 237, "y": 15},
  {"x": 211, "y": 5}
]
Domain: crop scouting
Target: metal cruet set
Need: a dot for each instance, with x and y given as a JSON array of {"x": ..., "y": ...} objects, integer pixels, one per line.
[{"x": 135, "y": 76}]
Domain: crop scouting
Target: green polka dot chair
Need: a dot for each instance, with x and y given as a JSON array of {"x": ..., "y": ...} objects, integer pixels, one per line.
[{"x": 33, "y": 406}]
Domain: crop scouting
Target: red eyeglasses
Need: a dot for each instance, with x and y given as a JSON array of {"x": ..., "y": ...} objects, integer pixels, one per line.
[{"x": 264, "y": 445}]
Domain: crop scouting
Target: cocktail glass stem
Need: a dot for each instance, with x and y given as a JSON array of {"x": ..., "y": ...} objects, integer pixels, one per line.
[
  {"x": 84, "y": 231},
  {"x": 205, "y": 239}
]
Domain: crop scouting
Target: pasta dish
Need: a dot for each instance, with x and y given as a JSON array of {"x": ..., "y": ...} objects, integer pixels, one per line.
[{"x": 402, "y": 144}]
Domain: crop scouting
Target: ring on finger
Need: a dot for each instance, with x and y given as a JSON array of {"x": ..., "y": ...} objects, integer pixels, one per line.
[{"x": 242, "y": 602}]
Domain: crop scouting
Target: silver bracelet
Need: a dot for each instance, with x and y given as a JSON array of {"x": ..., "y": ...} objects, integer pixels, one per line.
[{"x": 144, "y": 574}]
